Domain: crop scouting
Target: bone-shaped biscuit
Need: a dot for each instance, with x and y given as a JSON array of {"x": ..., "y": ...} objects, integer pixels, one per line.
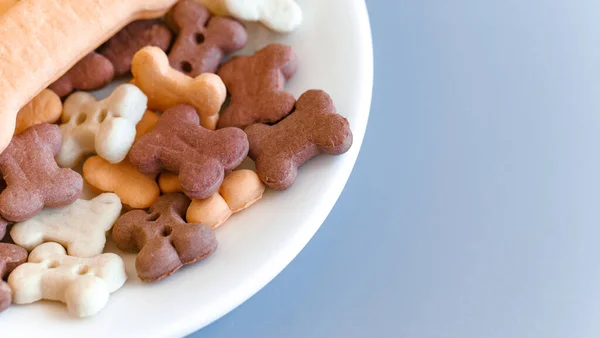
[
  {"x": 146, "y": 124},
  {"x": 136, "y": 190},
  {"x": 3, "y": 226},
  {"x": 81, "y": 226},
  {"x": 34, "y": 34},
  {"x": 46, "y": 107},
  {"x": 200, "y": 156},
  {"x": 240, "y": 189},
  {"x": 32, "y": 176},
  {"x": 11, "y": 256},
  {"x": 167, "y": 87},
  {"x": 105, "y": 127},
  {"x": 121, "y": 48},
  {"x": 279, "y": 15},
  {"x": 91, "y": 73},
  {"x": 169, "y": 182},
  {"x": 83, "y": 284},
  {"x": 164, "y": 240},
  {"x": 313, "y": 128},
  {"x": 256, "y": 85},
  {"x": 6, "y": 4},
  {"x": 203, "y": 41},
  {"x": 3, "y": 222}
]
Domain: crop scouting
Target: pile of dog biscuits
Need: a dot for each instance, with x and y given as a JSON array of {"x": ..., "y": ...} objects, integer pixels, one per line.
[{"x": 161, "y": 152}]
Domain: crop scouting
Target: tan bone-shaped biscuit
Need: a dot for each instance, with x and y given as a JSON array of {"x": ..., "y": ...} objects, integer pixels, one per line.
[
  {"x": 83, "y": 284},
  {"x": 46, "y": 107},
  {"x": 6, "y": 4},
  {"x": 34, "y": 34},
  {"x": 135, "y": 189},
  {"x": 166, "y": 87},
  {"x": 169, "y": 182},
  {"x": 146, "y": 124},
  {"x": 240, "y": 189}
]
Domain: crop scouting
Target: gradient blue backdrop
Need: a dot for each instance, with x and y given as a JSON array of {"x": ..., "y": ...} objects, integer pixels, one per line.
[{"x": 473, "y": 210}]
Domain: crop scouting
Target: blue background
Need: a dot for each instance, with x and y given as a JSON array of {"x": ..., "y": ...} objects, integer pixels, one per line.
[{"x": 473, "y": 208}]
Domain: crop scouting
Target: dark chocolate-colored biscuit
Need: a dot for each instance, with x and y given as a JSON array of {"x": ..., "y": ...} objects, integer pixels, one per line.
[
  {"x": 135, "y": 36},
  {"x": 164, "y": 240},
  {"x": 33, "y": 179},
  {"x": 256, "y": 85},
  {"x": 93, "y": 72},
  {"x": 313, "y": 128},
  {"x": 203, "y": 41},
  {"x": 199, "y": 156},
  {"x": 11, "y": 256}
]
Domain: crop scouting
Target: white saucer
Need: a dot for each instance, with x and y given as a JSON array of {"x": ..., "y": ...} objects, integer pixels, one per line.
[{"x": 335, "y": 51}]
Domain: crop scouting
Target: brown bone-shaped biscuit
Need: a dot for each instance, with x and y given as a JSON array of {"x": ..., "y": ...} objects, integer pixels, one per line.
[
  {"x": 203, "y": 41},
  {"x": 164, "y": 240},
  {"x": 93, "y": 72},
  {"x": 11, "y": 256},
  {"x": 33, "y": 179},
  {"x": 121, "y": 48},
  {"x": 180, "y": 145},
  {"x": 256, "y": 84},
  {"x": 313, "y": 128}
]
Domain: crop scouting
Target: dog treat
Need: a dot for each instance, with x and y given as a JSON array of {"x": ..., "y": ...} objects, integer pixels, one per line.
[
  {"x": 6, "y": 4},
  {"x": 93, "y": 72},
  {"x": 81, "y": 227},
  {"x": 11, "y": 256},
  {"x": 278, "y": 15},
  {"x": 313, "y": 128},
  {"x": 199, "y": 156},
  {"x": 32, "y": 177},
  {"x": 167, "y": 87},
  {"x": 105, "y": 127},
  {"x": 240, "y": 189},
  {"x": 256, "y": 85},
  {"x": 46, "y": 107},
  {"x": 146, "y": 124},
  {"x": 169, "y": 182},
  {"x": 136, "y": 190},
  {"x": 203, "y": 41},
  {"x": 135, "y": 36},
  {"x": 83, "y": 284},
  {"x": 48, "y": 27},
  {"x": 164, "y": 240},
  {"x": 3, "y": 222},
  {"x": 3, "y": 226}
]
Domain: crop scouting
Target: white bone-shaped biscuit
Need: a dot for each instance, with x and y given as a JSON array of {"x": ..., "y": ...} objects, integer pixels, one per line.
[
  {"x": 279, "y": 15},
  {"x": 105, "y": 127},
  {"x": 83, "y": 284},
  {"x": 81, "y": 227}
]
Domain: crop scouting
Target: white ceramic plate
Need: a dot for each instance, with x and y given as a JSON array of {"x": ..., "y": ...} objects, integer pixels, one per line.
[{"x": 335, "y": 51}]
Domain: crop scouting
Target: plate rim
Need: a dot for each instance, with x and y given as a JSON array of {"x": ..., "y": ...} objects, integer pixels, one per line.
[
  {"x": 273, "y": 265},
  {"x": 271, "y": 269}
]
